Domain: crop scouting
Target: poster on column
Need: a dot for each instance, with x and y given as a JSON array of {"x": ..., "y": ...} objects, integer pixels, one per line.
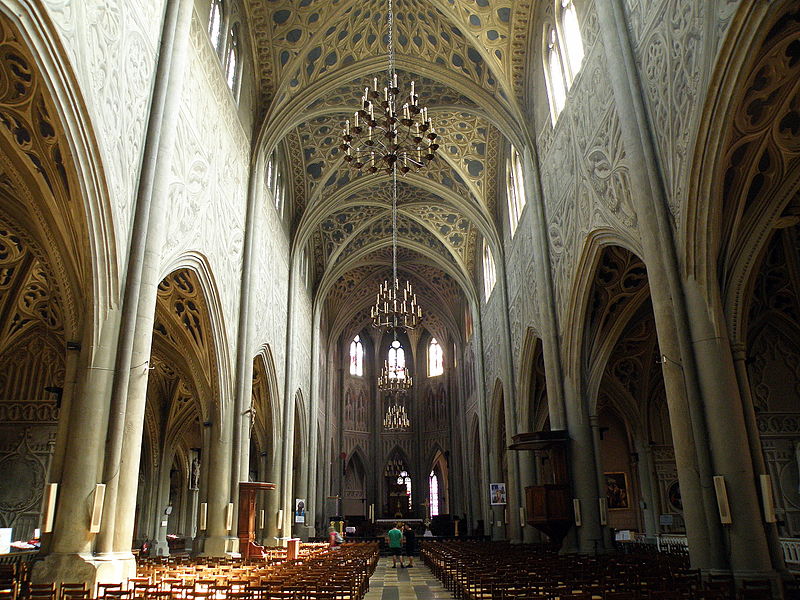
[
  {"x": 497, "y": 493},
  {"x": 299, "y": 511},
  {"x": 5, "y": 540}
]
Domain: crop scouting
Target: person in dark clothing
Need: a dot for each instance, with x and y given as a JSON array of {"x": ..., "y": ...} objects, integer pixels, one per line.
[{"x": 411, "y": 544}]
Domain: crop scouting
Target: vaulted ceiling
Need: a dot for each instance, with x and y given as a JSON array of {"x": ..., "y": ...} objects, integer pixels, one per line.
[{"x": 315, "y": 57}]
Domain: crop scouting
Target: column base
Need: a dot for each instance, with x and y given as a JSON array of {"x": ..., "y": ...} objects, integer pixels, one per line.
[
  {"x": 161, "y": 548},
  {"x": 86, "y": 568},
  {"x": 773, "y": 576},
  {"x": 220, "y": 545},
  {"x": 304, "y": 532}
]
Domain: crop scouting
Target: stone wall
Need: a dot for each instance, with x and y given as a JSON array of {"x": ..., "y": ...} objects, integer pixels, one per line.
[{"x": 113, "y": 45}]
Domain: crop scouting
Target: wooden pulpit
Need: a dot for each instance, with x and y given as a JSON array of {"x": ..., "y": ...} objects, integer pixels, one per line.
[
  {"x": 547, "y": 504},
  {"x": 247, "y": 517}
]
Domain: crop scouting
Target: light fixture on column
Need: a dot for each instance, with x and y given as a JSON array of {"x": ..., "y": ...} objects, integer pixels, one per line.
[{"x": 384, "y": 134}]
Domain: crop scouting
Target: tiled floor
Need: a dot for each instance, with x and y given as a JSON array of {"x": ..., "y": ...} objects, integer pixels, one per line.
[{"x": 404, "y": 584}]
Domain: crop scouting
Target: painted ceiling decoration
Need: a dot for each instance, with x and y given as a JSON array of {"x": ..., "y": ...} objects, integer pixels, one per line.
[{"x": 315, "y": 57}]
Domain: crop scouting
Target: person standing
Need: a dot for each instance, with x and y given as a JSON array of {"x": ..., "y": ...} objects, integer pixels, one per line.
[
  {"x": 411, "y": 544},
  {"x": 395, "y": 537}
]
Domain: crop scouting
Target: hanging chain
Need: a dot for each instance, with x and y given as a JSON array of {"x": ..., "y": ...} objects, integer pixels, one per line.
[
  {"x": 390, "y": 84},
  {"x": 390, "y": 20}
]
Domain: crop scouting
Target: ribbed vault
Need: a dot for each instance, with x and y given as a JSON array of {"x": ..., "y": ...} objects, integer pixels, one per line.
[{"x": 315, "y": 58}]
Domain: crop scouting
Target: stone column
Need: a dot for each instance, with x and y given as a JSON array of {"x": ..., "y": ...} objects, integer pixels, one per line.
[
  {"x": 159, "y": 516},
  {"x": 527, "y": 467},
  {"x": 219, "y": 539},
  {"x": 312, "y": 460},
  {"x": 71, "y": 541},
  {"x": 747, "y": 547},
  {"x": 192, "y": 507},
  {"x": 689, "y": 431},
  {"x": 300, "y": 491},
  {"x": 482, "y": 487},
  {"x": 594, "y": 423},
  {"x": 457, "y": 501},
  {"x": 583, "y": 469},
  {"x": 286, "y": 485},
  {"x": 272, "y": 497},
  {"x": 128, "y": 399},
  {"x": 471, "y": 507},
  {"x": 205, "y": 453},
  {"x": 548, "y": 317},
  {"x": 243, "y": 395},
  {"x": 337, "y": 488},
  {"x": 74, "y": 370},
  {"x": 649, "y": 489},
  {"x": 756, "y": 452},
  {"x": 514, "y": 493}
]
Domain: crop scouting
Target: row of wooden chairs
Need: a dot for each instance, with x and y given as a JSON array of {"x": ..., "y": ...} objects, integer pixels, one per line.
[
  {"x": 320, "y": 573},
  {"x": 502, "y": 571}
]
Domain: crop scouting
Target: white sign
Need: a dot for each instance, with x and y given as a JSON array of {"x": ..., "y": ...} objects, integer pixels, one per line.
[
  {"x": 5, "y": 540},
  {"x": 299, "y": 510}
]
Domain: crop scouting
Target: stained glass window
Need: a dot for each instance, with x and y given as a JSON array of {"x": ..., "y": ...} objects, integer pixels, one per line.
[
  {"x": 435, "y": 359},
  {"x": 356, "y": 357}
]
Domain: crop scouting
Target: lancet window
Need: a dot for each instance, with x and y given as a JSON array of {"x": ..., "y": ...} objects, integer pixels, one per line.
[
  {"x": 563, "y": 55},
  {"x": 435, "y": 359},
  {"x": 397, "y": 361},
  {"x": 433, "y": 486},
  {"x": 275, "y": 181},
  {"x": 232, "y": 70},
  {"x": 356, "y": 357},
  {"x": 514, "y": 188},
  {"x": 215, "y": 24},
  {"x": 489, "y": 273}
]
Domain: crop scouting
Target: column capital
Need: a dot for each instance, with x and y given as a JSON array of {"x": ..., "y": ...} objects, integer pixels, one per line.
[{"x": 739, "y": 350}]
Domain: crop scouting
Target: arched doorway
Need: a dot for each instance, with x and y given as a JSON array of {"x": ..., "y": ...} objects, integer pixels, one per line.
[
  {"x": 178, "y": 413},
  {"x": 354, "y": 497}
]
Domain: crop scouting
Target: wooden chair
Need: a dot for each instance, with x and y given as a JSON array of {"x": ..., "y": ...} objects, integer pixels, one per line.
[
  {"x": 104, "y": 588},
  {"x": 755, "y": 594},
  {"x": 791, "y": 589},
  {"x": 41, "y": 591},
  {"x": 620, "y": 595}
]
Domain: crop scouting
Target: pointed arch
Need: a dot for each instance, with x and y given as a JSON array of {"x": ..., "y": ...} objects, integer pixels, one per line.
[
  {"x": 579, "y": 340},
  {"x": 745, "y": 173},
  {"x": 498, "y": 432},
  {"x": 217, "y": 349},
  {"x": 438, "y": 475},
  {"x": 266, "y": 404},
  {"x": 74, "y": 170},
  {"x": 532, "y": 382},
  {"x": 356, "y": 483}
]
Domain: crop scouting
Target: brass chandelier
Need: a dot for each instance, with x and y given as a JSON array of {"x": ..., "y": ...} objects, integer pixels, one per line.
[
  {"x": 396, "y": 418},
  {"x": 384, "y": 135},
  {"x": 395, "y": 308},
  {"x": 394, "y": 378}
]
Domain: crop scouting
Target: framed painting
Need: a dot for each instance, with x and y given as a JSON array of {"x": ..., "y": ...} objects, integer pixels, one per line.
[{"x": 617, "y": 490}]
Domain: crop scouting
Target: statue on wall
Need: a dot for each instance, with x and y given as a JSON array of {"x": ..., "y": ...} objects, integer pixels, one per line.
[{"x": 194, "y": 474}]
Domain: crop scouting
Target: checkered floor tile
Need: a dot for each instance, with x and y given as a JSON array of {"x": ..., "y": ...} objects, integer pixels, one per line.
[{"x": 404, "y": 584}]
